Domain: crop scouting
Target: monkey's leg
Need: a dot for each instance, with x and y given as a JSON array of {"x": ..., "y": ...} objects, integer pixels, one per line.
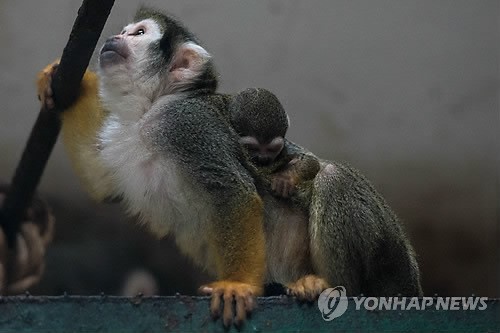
[
  {"x": 238, "y": 245},
  {"x": 80, "y": 126},
  {"x": 334, "y": 240}
]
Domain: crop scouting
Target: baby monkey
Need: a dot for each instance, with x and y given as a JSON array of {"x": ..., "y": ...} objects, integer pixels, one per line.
[
  {"x": 286, "y": 171},
  {"x": 261, "y": 122}
]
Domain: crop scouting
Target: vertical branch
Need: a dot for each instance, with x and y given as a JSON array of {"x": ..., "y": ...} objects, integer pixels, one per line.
[{"x": 87, "y": 28}]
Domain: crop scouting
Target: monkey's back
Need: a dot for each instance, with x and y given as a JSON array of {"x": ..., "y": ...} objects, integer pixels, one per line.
[{"x": 367, "y": 249}]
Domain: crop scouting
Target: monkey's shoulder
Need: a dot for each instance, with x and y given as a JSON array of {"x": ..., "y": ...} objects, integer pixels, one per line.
[
  {"x": 194, "y": 132},
  {"x": 192, "y": 113}
]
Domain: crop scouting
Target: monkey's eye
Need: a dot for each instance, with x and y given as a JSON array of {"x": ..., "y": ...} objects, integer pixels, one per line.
[
  {"x": 252, "y": 148},
  {"x": 140, "y": 31}
]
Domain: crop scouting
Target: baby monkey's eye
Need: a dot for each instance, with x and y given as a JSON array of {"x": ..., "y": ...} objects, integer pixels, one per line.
[{"x": 252, "y": 147}]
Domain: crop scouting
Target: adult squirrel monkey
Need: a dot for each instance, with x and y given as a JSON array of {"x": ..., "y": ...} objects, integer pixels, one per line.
[{"x": 151, "y": 129}]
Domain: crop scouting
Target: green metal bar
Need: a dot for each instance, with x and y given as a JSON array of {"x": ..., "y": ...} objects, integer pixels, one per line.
[{"x": 190, "y": 314}]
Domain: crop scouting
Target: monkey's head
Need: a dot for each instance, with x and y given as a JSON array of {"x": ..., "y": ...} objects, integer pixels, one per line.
[
  {"x": 154, "y": 56},
  {"x": 261, "y": 122}
]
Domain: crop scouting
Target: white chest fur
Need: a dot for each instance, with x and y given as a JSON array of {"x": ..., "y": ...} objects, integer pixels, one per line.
[{"x": 154, "y": 188}]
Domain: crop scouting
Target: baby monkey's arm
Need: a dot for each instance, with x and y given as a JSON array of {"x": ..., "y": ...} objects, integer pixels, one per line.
[{"x": 302, "y": 167}]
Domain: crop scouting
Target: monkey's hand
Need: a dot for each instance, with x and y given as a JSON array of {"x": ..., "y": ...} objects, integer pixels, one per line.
[
  {"x": 284, "y": 183},
  {"x": 307, "y": 288},
  {"x": 44, "y": 82},
  {"x": 28, "y": 259},
  {"x": 243, "y": 294}
]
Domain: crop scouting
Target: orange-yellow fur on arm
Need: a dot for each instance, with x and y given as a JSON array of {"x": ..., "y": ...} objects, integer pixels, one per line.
[
  {"x": 247, "y": 244},
  {"x": 80, "y": 127},
  {"x": 240, "y": 261}
]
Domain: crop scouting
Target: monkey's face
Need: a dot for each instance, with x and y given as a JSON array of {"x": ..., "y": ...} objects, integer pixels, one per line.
[
  {"x": 152, "y": 57},
  {"x": 262, "y": 152},
  {"x": 129, "y": 48}
]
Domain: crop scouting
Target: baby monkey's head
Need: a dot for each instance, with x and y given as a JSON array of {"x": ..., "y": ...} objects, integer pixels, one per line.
[{"x": 261, "y": 122}]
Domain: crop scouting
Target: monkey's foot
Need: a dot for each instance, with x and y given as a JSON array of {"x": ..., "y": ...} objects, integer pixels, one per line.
[
  {"x": 242, "y": 294},
  {"x": 44, "y": 83},
  {"x": 307, "y": 288}
]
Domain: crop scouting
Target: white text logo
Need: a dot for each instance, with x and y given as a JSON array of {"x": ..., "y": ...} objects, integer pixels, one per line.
[{"x": 332, "y": 303}]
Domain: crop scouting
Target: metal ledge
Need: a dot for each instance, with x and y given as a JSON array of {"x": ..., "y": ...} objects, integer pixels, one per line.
[{"x": 190, "y": 314}]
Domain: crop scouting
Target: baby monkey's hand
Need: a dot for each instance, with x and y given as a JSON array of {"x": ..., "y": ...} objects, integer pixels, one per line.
[{"x": 284, "y": 183}]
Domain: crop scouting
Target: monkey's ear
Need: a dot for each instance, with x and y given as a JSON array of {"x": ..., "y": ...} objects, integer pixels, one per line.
[{"x": 188, "y": 62}]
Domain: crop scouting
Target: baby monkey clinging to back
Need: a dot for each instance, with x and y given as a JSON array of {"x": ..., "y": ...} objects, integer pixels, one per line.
[
  {"x": 261, "y": 121},
  {"x": 343, "y": 233}
]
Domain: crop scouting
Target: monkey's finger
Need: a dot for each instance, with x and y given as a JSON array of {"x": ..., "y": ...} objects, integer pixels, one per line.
[
  {"x": 36, "y": 249},
  {"x": 273, "y": 185},
  {"x": 279, "y": 187},
  {"x": 206, "y": 290},
  {"x": 320, "y": 285},
  {"x": 250, "y": 303},
  {"x": 309, "y": 294},
  {"x": 241, "y": 310},
  {"x": 308, "y": 284},
  {"x": 48, "y": 99},
  {"x": 21, "y": 286},
  {"x": 215, "y": 300},
  {"x": 3, "y": 258},
  {"x": 27, "y": 282},
  {"x": 215, "y": 304},
  {"x": 299, "y": 291},
  {"x": 286, "y": 190},
  {"x": 49, "y": 103},
  {"x": 2, "y": 278},
  {"x": 21, "y": 259},
  {"x": 48, "y": 235},
  {"x": 227, "y": 315},
  {"x": 3, "y": 245}
]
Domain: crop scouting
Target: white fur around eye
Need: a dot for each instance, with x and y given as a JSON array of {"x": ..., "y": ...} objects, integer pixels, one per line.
[{"x": 140, "y": 43}]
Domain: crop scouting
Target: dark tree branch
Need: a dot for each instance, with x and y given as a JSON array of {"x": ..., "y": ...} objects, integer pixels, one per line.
[{"x": 88, "y": 26}]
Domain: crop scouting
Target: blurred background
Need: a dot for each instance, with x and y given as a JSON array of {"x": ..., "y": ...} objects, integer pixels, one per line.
[{"x": 405, "y": 91}]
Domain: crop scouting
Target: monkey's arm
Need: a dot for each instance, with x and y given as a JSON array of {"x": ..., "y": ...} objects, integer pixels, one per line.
[
  {"x": 80, "y": 127},
  {"x": 234, "y": 229},
  {"x": 302, "y": 166}
]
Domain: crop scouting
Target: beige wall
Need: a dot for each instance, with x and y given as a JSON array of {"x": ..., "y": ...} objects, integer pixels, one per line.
[{"x": 406, "y": 91}]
